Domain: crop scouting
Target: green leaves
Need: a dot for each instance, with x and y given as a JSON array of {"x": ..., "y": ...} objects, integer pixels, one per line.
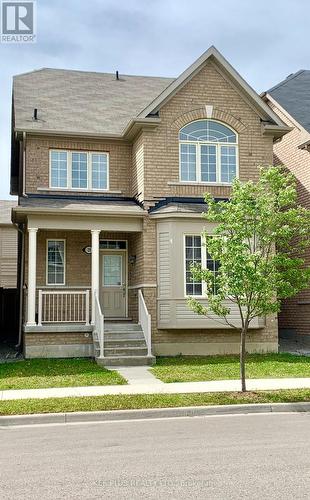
[{"x": 259, "y": 241}]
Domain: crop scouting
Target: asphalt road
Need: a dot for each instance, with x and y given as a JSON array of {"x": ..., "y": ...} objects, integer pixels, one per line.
[{"x": 244, "y": 456}]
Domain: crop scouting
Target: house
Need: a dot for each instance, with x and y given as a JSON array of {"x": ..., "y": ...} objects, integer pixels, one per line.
[
  {"x": 110, "y": 171},
  {"x": 8, "y": 246},
  {"x": 290, "y": 99},
  {"x": 8, "y": 274}
]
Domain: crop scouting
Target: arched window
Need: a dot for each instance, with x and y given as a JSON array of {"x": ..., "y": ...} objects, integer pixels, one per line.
[{"x": 208, "y": 152}]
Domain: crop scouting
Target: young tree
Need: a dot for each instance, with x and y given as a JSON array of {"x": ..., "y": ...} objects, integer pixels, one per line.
[{"x": 258, "y": 242}]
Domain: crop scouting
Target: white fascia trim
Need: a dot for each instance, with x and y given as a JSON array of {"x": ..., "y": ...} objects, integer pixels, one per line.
[
  {"x": 84, "y": 213},
  {"x": 193, "y": 69},
  {"x": 142, "y": 285},
  {"x": 135, "y": 122}
]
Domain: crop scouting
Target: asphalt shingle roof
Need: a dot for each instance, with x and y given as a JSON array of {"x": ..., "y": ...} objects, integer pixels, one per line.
[
  {"x": 80, "y": 101},
  {"x": 81, "y": 204},
  {"x": 293, "y": 94}
]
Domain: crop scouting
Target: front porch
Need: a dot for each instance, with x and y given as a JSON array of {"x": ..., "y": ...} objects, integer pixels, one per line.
[{"x": 78, "y": 281}]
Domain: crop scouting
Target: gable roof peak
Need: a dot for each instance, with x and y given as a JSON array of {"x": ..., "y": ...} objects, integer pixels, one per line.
[{"x": 213, "y": 53}]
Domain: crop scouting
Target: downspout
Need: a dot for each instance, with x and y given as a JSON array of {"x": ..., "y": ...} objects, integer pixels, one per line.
[
  {"x": 24, "y": 166},
  {"x": 21, "y": 285}
]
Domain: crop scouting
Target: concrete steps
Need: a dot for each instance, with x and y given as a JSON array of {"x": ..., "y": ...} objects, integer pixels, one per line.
[{"x": 124, "y": 345}]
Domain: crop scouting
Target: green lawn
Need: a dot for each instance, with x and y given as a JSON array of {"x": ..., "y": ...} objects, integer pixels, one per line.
[
  {"x": 42, "y": 373},
  {"x": 122, "y": 402},
  {"x": 195, "y": 369}
]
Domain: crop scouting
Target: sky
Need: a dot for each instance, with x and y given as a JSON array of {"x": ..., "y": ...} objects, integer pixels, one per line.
[{"x": 265, "y": 41}]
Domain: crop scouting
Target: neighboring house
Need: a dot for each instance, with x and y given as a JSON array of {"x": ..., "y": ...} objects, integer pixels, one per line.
[
  {"x": 290, "y": 99},
  {"x": 8, "y": 275},
  {"x": 8, "y": 246},
  {"x": 111, "y": 171}
]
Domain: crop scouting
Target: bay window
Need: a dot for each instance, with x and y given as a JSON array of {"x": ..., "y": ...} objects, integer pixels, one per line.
[
  {"x": 208, "y": 152},
  {"x": 79, "y": 170}
]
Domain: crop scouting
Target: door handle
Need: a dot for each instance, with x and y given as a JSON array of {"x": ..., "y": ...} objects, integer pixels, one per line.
[{"x": 124, "y": 290}]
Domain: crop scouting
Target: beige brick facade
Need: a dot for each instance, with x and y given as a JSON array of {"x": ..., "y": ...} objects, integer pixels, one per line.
[
  {"x": 149, "y": 170},
  {"x": 37, "y": 161}
]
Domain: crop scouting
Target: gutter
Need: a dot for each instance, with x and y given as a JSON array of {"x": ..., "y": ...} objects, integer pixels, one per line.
[
  {"x": 304, "y": 145},
  {"x": 127, "y": 133},
  {"x": 62, "y": 212}
]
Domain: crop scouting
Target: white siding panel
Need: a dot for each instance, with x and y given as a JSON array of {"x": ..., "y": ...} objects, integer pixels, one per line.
[
  {"x": 9, "y": 243},
  {"x": 8, "y": 257},
  {"x": 164, "y": 313},
  {"x": 164, "y": 264}
]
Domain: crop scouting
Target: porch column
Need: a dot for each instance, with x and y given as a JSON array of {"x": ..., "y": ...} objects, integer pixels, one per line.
[
  {"x": 32, "y": 275},
  {"x": 94, "y": 269}
]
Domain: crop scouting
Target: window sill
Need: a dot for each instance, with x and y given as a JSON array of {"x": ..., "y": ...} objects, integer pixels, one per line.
[
  {"x": 192, "y": 183},
  {"x": 69, "y": 190}
]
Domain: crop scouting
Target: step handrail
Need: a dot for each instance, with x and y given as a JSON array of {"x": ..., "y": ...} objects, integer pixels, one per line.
[
  {"x": 99, "y": 325},
  {"x": 145, "y": 322}
]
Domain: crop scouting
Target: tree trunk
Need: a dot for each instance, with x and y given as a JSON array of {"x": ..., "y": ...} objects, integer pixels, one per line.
[{"x": 242, "y": 358}]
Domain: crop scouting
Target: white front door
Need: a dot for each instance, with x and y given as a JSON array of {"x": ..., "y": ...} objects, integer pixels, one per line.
[{"x": 113, "y": 285}]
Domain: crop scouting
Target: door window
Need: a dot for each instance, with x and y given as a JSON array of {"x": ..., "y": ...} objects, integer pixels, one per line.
[{"x": 112, "y": 270}]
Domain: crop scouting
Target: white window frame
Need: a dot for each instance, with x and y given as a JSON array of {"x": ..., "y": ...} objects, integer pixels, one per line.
[
  {"x": 203, "y": 259},
  {"x": 203, "y": 264},
  {"x": 46, "y": 264},
  {"x": 218, "y": 158},
  {"x": 69, "y": 170}
]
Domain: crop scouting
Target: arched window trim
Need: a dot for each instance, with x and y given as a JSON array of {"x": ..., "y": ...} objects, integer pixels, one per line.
[{"x": 219, "y": 176}]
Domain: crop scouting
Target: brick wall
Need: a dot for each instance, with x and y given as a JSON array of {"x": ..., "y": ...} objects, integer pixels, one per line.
[
  {"x": 295, "y": 314},
  {"x": 37, "y": 160},
  {"x": 161, "y": 146}
]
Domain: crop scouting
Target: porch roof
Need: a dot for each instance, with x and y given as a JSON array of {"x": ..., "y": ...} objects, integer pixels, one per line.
[{"x": 83, "y": 208}]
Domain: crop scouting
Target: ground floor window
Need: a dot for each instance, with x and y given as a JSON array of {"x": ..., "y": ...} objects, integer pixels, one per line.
[
  {"x": 196, "y": 253},
  {"x": 55, "y": 262}
]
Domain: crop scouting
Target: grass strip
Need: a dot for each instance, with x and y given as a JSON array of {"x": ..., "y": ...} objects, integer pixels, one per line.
[
  {"x": 202, "y": 368},
  {"x": 125, "y": 402},
  {"x": 44, "y": 373}
]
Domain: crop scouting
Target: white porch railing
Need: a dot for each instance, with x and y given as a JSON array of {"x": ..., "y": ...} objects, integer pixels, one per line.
[
  {"x": 98, "y": 329},
  {"x": 145, "y": 322},
  {"x": 63, "y": 306}
]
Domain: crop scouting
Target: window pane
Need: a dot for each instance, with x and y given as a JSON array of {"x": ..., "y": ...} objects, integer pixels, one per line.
[
  {"x": 79, "y": 170},
  {"x": 55, "y": 262},
  {"x": 228, "y": 163},
  {"x": 207, "y": 131},
  {"x": 188, "y": 162},
  {"x": 113, "y": 244},
  {"x": 58, "y": 169},
  {"x": 99, "y": 171},
  {"x": 212, "y": 265},
  {"x": 208, "y": 163},
  {"x": 192, "y": 256},
  {"x": 112, "y": 270}
]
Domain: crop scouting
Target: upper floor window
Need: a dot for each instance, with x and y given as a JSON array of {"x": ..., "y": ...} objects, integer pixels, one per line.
[
  {"x": 79, "y": 170},
  {"x": 208, "y": 152}
]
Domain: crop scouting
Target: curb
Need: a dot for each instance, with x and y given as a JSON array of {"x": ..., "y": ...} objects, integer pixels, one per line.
[{"x": 117, "y": 415}]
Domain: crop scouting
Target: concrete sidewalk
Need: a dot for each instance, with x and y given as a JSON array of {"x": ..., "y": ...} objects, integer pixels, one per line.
[{"x": 142, "y": 381}]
